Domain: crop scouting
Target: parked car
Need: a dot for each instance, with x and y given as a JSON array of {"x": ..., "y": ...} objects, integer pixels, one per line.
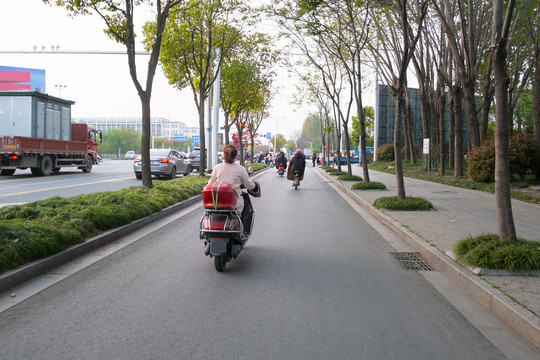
[
  {"x": 165, "y": 163},
  {"x": 130, "y": 155}
]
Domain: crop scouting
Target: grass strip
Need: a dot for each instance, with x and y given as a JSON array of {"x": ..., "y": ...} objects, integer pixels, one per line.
[
  {"x": 488, "y": 251},
  {"x": 410, "y": 203},
  {"x": 38, "y": 229},
  {"x": 368, "y": 186}
]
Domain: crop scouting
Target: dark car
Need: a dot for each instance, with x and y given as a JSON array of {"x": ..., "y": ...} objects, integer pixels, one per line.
[
  {"x": 195, "y": 158},
  {"x": 164, "y": 163}
]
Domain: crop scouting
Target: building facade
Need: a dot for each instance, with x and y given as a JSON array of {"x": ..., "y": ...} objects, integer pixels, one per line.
[{"x": 159, "y": 126}]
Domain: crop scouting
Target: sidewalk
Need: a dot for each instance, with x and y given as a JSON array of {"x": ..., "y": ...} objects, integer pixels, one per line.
[{"x": 458, "y": 214}]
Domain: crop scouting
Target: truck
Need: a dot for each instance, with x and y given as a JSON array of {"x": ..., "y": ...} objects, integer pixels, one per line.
[{"x": 36, "y": 132}]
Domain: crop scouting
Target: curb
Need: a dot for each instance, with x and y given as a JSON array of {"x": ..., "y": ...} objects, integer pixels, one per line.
[
  {"x": 517, "y": 317},
  {"x": 12, "y": 278}
]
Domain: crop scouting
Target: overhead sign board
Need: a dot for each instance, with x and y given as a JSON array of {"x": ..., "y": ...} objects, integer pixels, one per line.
[
  {"x": 180, "y": 137},
  {"x": 196, "y": 139}
]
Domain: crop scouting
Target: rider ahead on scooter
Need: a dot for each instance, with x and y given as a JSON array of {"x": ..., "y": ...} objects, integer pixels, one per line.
[
  {"x": 298, "y": 163},
  {"x": 231, "y": 172},
  {"x": 281, "y": 160}
]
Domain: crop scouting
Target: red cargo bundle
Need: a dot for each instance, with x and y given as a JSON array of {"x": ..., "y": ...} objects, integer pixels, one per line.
[{"x": 219, "y": 195}]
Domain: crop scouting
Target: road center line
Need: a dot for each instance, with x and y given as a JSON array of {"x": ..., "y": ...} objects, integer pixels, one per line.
[{"x": 64, "y": 187}]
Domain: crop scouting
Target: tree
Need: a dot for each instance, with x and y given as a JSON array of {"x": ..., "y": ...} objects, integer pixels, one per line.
[
  {"x": 120, "y": 26},
  {"x": 123, "y": 138},
  {"x": 501, "y": 28},
  {"x": 245, "y": 73},
  {"x": 467, "y": 32},
  {"x": 195, "y": 34},
  {"x": 394, "y": 52}
]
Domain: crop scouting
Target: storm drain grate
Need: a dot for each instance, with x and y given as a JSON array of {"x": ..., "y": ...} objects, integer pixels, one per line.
[{"x": 411, "y": 261}]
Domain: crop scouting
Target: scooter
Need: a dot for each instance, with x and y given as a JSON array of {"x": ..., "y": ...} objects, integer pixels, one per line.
[
  {"x": 224, "y": 230},
  {"x": 296, "y": 181},
  {"x": 281, "y": 170}
]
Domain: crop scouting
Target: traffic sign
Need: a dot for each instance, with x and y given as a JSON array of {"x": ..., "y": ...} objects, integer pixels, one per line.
[
  {"x": 180, "y": 137},
  {"x": 269, "y": 136},
  {"x": 196, "y": 139}
]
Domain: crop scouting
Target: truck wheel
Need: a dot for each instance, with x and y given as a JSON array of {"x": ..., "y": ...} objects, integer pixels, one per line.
[
  {"x": 89, "y": 163},
  {"x": 45, "y": 166}
]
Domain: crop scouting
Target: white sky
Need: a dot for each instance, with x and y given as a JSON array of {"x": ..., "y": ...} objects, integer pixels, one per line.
[{"x": 100, "y": 85}]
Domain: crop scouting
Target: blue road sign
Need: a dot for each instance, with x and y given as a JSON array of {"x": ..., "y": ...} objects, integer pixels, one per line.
[
  {"x": 269, "y": 136},
  {"x": 196, "y": 139},
  {"x": 180, "y": 137}
]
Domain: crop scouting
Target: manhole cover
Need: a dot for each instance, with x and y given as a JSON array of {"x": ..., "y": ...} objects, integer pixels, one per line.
[{"x": 411, "y": 261}]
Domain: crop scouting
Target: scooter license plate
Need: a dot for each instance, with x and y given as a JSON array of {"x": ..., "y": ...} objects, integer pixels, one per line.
[{"x": 218, "y": 246}]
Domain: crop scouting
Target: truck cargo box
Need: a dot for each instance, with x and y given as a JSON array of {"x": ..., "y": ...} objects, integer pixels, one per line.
[{"x": 36, "y": 115}]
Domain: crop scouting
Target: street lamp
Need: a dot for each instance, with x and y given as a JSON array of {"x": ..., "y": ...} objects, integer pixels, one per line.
[{"x": 59, "y": 86}]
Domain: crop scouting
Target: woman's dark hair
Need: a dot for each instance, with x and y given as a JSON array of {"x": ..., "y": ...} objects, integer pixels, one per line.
[{"x": 229, "y": 153}]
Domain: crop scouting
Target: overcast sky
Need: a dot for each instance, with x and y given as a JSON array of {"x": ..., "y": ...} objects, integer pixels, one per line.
[{"x": 100, "y": 85}]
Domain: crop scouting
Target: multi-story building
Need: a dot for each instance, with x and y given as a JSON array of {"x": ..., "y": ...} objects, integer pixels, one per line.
[{"x": 160, "y": 127}]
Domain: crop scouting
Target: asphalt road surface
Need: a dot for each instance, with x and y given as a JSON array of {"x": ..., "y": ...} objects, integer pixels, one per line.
[
  {"x": 109, "y": 175},
  {"x": 315, "y": 281}
]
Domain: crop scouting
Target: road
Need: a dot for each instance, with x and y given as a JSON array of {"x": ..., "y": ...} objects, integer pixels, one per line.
[
  {"x": 316, "y": 281},
  {"x": 109, "y": 175}
]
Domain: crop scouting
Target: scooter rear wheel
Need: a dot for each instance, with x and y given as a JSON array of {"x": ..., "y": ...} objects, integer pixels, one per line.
[{"x": 219, "y": 262}]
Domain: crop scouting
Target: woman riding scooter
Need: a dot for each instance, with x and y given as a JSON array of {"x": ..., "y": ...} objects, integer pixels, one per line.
[{"x": 297, "y": 166}]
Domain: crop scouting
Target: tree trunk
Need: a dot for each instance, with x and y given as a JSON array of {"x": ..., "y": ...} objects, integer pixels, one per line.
[
  {"x": 441, "y": 102},
  {"x": 472, "y": 119},
  {"x": 400, "y": 106},
  {"x": 507, "y": 230},
  {"x": 458, "y": 132},
  {"x": 145, "y": 141},
  {"x": 202, "y": 164},
  {"x": 536, "y": 104}
]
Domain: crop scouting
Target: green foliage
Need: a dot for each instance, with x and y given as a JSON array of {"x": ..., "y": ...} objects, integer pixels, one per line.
[
  {"x": 488, "y": 251},
  {"x": 368, "y": 185},
  {"x": 481, "y": 162},
  {"x": 256, "y": 166},
  {"x": 348, "y": 177},
  {"x": 524, "y": 154},
  {"x": 409, "y": 203},
  {"x": 524, "y": 157},
  {"x": 385, "y": 152},
  {"x": 35, "y": 230},
  {"x": 124, "y": 138}
]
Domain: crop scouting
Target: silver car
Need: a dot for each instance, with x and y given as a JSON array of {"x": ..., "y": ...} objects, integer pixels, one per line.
[{"x": 165, "y": 163}]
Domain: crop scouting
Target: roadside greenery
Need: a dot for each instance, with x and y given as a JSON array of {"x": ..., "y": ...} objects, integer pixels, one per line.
[
  {"x": 35, "y": 230},
  {"x": 347, "y": 177},
  {"x": 416, "y": 171},
  {"x": 410, "y": 203},
  {"x": 488, "y": 251},
  {"x": 372, "y": 185}
]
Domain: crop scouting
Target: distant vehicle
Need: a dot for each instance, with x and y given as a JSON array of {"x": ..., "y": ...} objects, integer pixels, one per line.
[
  {"x": 165, "y": 163},
  {"x": 34, "y": 136},
  {"x": 130, "y": 155},
  {"x": 195, "y": 158}
]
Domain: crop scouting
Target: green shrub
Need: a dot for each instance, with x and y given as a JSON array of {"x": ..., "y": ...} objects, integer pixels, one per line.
[
  {"x": 481, "y": 162},
  {"x": 385, "y": 152},
  {"x": 409, "y": 203},
  {"x": 488, "y": 251},
  {"x": 348, "y": 177},
  {"x": 35, "y": 230},
  {"x": 524, "y": 154},
  {"x": 368, "y": 185}
]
